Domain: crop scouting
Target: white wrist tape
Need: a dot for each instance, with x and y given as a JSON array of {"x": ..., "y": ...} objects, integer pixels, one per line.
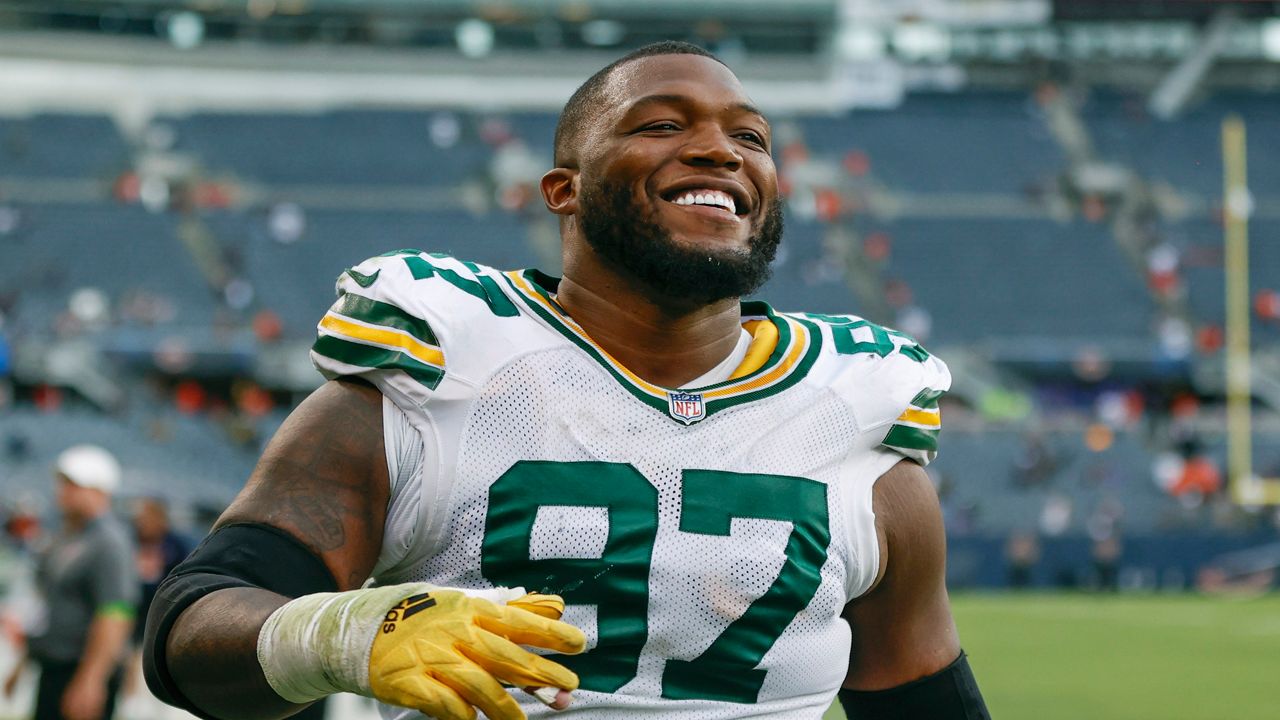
[{"x": 319, "y": 644}]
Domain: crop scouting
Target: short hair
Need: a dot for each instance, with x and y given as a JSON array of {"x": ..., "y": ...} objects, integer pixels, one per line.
[{"x": 590, "y": 94}]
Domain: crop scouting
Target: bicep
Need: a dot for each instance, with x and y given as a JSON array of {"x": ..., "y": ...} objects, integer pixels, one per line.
[
  {"x": 323, "y": 480},
  {"x": 902, "y": 628}
]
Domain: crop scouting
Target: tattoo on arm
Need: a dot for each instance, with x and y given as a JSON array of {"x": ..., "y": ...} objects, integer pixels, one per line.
[{"x": 323, "y": 479}]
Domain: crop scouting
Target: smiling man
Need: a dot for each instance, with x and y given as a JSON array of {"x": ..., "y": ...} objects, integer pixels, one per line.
[{"x": 717, "y": 510}]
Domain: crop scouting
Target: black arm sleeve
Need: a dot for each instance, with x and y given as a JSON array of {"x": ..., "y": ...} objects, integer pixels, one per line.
[
  {"x": 247, "y": 555},
  {"x": 949, "y": 694}
]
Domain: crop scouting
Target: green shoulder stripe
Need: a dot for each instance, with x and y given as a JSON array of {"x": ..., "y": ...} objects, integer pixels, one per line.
[
  {"x": 927, "y": 398},
  {"x": 373, "y": 312},
  {"x": 909, "y": 438},
  {"x": 367, "y": 356}
]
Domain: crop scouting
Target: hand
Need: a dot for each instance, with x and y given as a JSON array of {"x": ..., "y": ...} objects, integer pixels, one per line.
[
  {"x": 11, "y": 682},
  {"x": 445, "y": 654},
  {"x": 84, "y": 699}
]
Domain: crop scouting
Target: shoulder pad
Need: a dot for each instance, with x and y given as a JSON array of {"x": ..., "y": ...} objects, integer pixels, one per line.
[
  {"x": 393, "y": 314},
  {"x": 891, "y": 382}
]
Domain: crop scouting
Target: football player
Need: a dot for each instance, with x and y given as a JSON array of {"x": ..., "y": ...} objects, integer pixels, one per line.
[{"x": 686, "y": 505}]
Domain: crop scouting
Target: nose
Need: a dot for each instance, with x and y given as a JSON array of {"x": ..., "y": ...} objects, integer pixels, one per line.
[{"x": 710, "y": 147}]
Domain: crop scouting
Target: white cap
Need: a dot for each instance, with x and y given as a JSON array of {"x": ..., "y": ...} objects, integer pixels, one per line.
[{"x": 89, "y": 466}]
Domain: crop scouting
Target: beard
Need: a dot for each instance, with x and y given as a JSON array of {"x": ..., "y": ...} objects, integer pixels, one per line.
[{"x": 631, "y": 242}]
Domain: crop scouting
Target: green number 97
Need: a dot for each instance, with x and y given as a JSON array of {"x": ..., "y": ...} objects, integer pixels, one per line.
[{"x": 617, "y": 582}]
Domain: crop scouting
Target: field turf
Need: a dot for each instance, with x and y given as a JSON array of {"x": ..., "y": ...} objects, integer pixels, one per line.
[{"x": 1122, "y": 657}]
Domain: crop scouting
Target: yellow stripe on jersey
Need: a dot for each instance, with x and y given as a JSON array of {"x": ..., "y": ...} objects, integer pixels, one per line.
[
  {"x": 764, "y": 340},
  {"x": 793, "y": 355},
  {"x": 384, "y": 337},
  {"x": 930, "y": 418}
]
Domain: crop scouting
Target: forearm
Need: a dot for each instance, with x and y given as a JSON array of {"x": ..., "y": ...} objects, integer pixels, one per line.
[
  {"x": 104, "y": 645},
  {"x": 211, "y": 654}
]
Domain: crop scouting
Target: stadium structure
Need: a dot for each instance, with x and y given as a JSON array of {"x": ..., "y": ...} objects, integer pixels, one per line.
[{"x": 1076, "y": 204}]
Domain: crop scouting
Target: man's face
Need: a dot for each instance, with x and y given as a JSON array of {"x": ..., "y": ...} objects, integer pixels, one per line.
[
  {"x": 678, "y": 187},
  {"x": 70, "y": 497},
  {"x": 150, "y": 521}
]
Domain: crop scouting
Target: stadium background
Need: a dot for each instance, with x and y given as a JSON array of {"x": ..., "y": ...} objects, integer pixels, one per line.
[{"x": 1033, "y": 189}]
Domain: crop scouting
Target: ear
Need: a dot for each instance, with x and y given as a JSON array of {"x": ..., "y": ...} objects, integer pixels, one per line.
[{"x": 560, "y": 191}]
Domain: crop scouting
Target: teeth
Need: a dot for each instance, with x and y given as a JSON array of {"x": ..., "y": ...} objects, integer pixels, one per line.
[{"x": 713, "y": 198}]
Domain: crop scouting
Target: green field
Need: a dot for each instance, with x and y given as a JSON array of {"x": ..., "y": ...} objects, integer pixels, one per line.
[{"x": 1122, "y": 657}]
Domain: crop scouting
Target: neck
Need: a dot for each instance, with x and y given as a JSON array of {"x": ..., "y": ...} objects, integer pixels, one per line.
[{"x": 665, "y": 343}]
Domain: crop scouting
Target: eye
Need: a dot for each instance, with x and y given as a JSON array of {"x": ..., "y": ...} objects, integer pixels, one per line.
[
  {"x": 752, "y": 137},
  {"x": 660, "y": 126}
]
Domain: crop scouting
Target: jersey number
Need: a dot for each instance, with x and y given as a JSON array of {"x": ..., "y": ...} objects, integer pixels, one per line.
[
  {"x": 617, "y": 582},
  {"x": 859, "y": 336},
  {"x": 482, "y": 288}
]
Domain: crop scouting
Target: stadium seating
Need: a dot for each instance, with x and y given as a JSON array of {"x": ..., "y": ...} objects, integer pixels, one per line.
[
  {"x": 970, "y": 143},
  {"x": 1020, "y": 280},
  {"x": 84, "y": 147},
  {"x": 356, "y": 148},
  {"x": 188, "y": 460},
  {"x": 120, "y": 250},
  {"x": 1186, "y": 154},
  {"x": 296, "y": 280},
  {"x": 1205, "y": 281},
  {"x": 805, "y": 278}
]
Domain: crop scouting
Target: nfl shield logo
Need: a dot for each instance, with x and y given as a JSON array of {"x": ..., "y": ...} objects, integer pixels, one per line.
[{"x": 688, "y": 408}]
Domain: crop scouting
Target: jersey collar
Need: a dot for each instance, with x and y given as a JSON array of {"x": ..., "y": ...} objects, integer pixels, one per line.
[{"x": 783, "y": 349}]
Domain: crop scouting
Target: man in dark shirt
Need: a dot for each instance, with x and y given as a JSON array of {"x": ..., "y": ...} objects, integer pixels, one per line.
[{"x": 160, "y": 549}]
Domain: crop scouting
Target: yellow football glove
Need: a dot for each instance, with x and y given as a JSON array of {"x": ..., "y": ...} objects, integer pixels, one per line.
[{"x": 442, "y": 651}]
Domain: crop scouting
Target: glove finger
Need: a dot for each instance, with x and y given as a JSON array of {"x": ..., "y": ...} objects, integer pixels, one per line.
[
  {"x": 547, "y": 606},
  {"x": 516, "y": 666},
  {"x": 479, "y": 688},
  {"x": 427, "y": 695},
  {"x": 526, "y": 628}
]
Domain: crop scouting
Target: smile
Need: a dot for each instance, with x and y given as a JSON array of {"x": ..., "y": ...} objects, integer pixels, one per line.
[{"x": 705, "y": 200}]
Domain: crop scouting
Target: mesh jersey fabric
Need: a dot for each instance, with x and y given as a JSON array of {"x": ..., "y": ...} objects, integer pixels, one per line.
[{"x": 539, "y": 466}]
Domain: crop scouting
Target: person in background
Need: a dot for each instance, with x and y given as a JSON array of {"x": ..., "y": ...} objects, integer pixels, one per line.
[
  {"x": 160, "y": 549},
  {"x": 1021, "y": 552},
  {"x": 87, "y": 579}
]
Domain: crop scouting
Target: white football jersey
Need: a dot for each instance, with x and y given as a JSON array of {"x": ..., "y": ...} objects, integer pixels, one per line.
[{"x": 705, "y": 539}]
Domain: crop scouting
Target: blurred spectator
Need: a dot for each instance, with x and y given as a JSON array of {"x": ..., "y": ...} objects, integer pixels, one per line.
[
  {"x": 916, "y": 322},
  {"x": 1200, "y": 478},
  {"x": 1036, "y": 463},
  {"x": 445, "y": 130},
  {"x": 159, "y": 551},
  {"x": 1106, "y": 553},
  {"x": 1055, "y": 516},
  {"x": 87, "y": 581},
  {"x": 22, "y": 525},
  {"x": 267, "y": 326},
  {"x": 1021, "y": 552},
  {"x": 286, "y": 222},
  {"x": 22, "y": 610},
  {"x": 515, "y": 171}
]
